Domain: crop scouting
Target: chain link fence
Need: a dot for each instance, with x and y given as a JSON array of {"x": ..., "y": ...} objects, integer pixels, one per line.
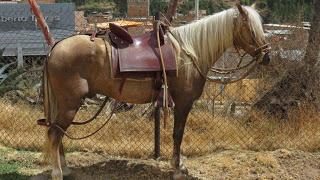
[{"x": 225, "y": 117}]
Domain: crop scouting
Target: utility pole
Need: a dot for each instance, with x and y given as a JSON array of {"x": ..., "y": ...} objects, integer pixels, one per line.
[{"x": 196, "y": 11}]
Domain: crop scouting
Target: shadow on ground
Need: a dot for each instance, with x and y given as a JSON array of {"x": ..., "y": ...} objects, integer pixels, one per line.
[
  {"x": 115, "y": 169},
  {"x": 14, "y": 176}
]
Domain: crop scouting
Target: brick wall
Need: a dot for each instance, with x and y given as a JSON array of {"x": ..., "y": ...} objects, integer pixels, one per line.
[{"x": 138, "y": 8}]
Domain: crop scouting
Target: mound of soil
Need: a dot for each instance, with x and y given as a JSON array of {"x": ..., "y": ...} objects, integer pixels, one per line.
[
  {"x": 279, "y": 164},
  {"x": 228, "y": 164},
  {"x": 116, "y": 168}
]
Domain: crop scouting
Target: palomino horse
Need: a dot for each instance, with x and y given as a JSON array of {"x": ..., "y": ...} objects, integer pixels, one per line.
[{"x": 78, "y": 67}]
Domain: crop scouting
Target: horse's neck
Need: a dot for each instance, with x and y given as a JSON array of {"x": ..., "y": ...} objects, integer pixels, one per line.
[{"x": 206, "y": 42}]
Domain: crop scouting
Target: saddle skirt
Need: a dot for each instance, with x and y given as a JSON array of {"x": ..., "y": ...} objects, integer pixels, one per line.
[{"x": 140, "y": 57}]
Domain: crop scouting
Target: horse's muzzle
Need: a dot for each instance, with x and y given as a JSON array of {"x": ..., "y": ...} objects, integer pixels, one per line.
[{"x": 265, "y": 59}]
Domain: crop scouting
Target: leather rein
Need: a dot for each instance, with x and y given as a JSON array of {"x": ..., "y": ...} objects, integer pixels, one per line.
[
  {"x": 88, "y": 121},
  {"x": 44, "y": 122},
  {"x": 256, "y": 51}
]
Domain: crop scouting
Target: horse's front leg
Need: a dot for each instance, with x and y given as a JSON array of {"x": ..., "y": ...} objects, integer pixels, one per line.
[{"x": 180, "y": 116}]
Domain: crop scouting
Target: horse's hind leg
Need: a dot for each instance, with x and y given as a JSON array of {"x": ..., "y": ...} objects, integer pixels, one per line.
[
  {"x": 65, "y": 170},
  {"x": 66, "y": 115},
  {"x": 55, "y": 136}
]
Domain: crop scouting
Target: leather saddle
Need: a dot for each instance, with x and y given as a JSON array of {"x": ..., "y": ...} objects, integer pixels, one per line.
[{"x": 138, "y": 56}]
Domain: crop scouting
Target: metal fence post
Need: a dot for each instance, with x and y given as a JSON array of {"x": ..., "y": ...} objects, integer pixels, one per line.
[
  {"x": 156, "y": 133},
  {"x": 156, "y": 117}
]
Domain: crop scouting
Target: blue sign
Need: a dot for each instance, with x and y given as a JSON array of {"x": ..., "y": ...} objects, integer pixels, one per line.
[
  {"x": 15, "y": 17},
  {"x": 18, "y": 28}
]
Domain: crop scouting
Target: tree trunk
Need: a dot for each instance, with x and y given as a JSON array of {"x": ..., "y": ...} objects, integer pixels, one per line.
[
  {"x": 300, "y": 84},
  {"x": 172, "y": 8},
  {"x": 313, "y": 47},
  {"x": 121, "y": 6}
]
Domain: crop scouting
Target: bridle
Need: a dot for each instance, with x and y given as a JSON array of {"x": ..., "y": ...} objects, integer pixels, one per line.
[
  {"x": 253, "y": 51},
  {"x": 239, "y": 42}
]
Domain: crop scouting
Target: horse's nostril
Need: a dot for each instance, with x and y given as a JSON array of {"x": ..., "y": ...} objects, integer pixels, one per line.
[{"x": 266, "y": 59}]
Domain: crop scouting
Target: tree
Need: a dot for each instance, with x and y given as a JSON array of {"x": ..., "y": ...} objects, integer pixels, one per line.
[
  {"x": 172, "y": 8},
  {"x": 313, "y": 47},
  {"x": 157, "y": 6},
  {"x": 121, "y": 6},
  {"x": 300, "y": 84},
  {"x": 211, "y": 6},
  {"x": 278, "y": 11}
]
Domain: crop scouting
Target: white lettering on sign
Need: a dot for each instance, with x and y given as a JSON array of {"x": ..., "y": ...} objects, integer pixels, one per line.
[
  {"x": 13, "y": 19},
  {"x": 4, "y": 19},
  {"x": 47, "y": 18}
]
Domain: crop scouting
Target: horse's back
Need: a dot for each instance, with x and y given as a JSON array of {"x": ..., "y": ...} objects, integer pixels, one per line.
[
  {"x": 76, "y": 62},
  {"x": 76, "y": 50}
]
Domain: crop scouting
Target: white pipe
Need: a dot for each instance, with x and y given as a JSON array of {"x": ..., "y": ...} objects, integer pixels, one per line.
[{"x": 196, "y": 11}]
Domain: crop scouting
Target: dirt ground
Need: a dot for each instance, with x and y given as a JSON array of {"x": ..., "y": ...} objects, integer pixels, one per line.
[{"x": 227, "y": 164}]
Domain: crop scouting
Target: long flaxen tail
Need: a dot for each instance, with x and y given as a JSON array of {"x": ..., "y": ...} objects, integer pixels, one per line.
[{"x": 50, "y": 108}]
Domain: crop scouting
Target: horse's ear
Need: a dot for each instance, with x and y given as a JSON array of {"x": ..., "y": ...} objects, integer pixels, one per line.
[
  {"x": 254, "y": 5},
  {"x": 242, "y": 11}
]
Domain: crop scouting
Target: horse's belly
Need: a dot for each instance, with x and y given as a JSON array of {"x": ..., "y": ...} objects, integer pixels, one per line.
[{"x": 136, "y": 92}]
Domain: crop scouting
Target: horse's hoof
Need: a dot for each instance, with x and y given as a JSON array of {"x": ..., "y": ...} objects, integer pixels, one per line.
[
  {"x": 56, "y": 175},
  {"x": 179, "y": 176},
  {"x": 184, "y": 170},
  {"x": 66, "y": 171}
]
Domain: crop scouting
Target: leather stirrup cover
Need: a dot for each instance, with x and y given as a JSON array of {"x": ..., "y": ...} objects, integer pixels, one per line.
[{"x": 121, "y": 33}]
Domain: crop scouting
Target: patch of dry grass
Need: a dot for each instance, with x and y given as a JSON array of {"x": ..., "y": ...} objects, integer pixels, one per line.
[{"x": 130, "y": 134}]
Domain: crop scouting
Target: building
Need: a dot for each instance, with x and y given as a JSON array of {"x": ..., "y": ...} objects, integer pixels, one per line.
[
  {"x": 138, "y": 8},
  {"x": 141, "y": 8},
  {"x": 19, "y": 34}
]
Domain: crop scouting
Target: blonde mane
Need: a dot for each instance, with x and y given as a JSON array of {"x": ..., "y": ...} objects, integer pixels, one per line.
[
  {"x": 256, "y": 23},
  {"x": 207, "y": 39}
]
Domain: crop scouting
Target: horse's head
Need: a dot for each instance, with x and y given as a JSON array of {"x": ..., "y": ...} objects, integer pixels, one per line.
[{"x": 248, "y": 34}]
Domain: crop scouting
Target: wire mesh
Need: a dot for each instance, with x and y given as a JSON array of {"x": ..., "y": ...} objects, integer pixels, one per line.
[{"x": 225, "y": 117}]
